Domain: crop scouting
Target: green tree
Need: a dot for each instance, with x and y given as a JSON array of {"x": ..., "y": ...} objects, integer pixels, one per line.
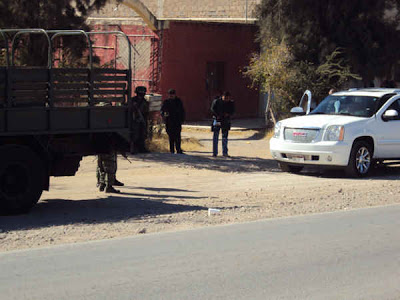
[
  {"x": 277, "y": 72},
  {"x": 60, "y": 14},
  {"x": 272, "y": 71},
  {"x": 365, "y": 30}
]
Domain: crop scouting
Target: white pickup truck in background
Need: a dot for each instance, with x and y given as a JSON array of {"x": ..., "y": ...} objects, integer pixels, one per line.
[{"x": 349, "y": 129}]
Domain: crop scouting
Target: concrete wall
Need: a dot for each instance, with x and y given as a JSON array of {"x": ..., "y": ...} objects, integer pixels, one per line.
[
  {"x": 183, "y": 9},
  {"x": 115, "y": 14},
  {"x": 207, "y": 8}
]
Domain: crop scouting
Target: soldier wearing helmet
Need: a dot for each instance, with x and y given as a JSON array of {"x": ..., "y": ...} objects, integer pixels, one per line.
[
  {"x": 141, "y": 90},
  {"x": 140, "y": 117}
]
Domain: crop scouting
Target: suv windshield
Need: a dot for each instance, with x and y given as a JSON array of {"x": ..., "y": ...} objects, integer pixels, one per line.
[{"x": 358, "y": 106}]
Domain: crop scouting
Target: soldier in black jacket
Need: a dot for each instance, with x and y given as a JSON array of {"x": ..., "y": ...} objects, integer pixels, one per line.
[
  {"x": 173, "y": 114},
  {"x": 222, "y": 109}
]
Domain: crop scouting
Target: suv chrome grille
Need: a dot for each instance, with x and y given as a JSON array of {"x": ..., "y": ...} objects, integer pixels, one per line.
[{"x": 300, "y": 135}]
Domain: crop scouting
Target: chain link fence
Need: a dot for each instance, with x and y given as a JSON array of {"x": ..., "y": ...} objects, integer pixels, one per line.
[
  {"x": 145, "y": 61},
  {"x": 113, "y": 51}
]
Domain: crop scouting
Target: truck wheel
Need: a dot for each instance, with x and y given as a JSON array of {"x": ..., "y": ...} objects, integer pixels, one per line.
[
  {"x": 22, "y": 178},
  {"x": 290, "y": 168},
  {"x": 360, "y": 160}
]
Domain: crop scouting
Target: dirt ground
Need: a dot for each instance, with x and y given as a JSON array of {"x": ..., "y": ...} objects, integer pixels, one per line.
[{"x": 167, "y": 192}]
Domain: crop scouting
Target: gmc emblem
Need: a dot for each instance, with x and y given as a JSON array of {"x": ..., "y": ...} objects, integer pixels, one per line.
[{"x": 300, "y": 134}]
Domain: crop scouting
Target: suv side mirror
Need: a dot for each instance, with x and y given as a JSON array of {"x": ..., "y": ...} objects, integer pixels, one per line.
[
  {"x": 298, "y": 111},
  {"x": 390, "y": 114}
]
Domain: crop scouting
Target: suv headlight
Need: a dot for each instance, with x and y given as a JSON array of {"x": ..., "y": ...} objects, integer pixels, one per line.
[
  {"x": 334, "y": 133},
  {"x": 277, "y": 130}
]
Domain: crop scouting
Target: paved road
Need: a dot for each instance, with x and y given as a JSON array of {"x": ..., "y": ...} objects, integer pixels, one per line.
[{"x": 345, "y": 255}]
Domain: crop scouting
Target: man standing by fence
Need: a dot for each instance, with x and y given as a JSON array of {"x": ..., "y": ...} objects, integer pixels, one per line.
[{"x": 140, "y": 118}]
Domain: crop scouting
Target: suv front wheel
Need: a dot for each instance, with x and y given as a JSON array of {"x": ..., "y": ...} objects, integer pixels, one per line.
[
  {"x": 290, "y": 168},
  {"x": 360, "y": 160}
]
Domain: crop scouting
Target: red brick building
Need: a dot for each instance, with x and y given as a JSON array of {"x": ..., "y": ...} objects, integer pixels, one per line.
[
  {"x": 196, "y": 57},
  {"x": 199, "y": 59}
]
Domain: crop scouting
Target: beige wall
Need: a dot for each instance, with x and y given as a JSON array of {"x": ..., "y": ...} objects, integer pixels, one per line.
[
  {"x": 208, "y": 8},
  {"x": 113, "y": 13},
  {"x": 234, "y": 9}
]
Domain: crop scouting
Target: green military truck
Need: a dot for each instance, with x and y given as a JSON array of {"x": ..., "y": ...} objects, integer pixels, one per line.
[{"x": 52, "y": 116}]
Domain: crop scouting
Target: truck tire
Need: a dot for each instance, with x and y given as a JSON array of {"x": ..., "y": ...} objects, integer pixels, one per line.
[
  {"x": 22, "y": 179},
  {"x": 290, "y": 168},
  {"x": 360, "y": 160}
]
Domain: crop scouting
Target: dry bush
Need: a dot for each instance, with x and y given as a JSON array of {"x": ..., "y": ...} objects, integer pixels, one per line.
[{"x": 160, "y": 143}]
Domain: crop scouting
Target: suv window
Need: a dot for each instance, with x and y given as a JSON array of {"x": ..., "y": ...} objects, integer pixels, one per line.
[
  {"x": 395, "y": 106},
  {"x": 383, "y": 100},
  {"x": 358, "y": 106}
]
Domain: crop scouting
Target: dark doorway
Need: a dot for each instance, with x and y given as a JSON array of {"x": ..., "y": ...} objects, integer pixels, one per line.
[{"x": 215, "y": 81}]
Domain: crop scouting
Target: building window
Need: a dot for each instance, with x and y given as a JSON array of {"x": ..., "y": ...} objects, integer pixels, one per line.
[{"x": 215, "y": 77}]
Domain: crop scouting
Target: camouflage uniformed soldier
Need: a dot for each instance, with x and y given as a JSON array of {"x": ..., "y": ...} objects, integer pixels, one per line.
[
  {"x": 107, "y": 168},
  {"x": 105, "y": 173},
  {"x": 140, "y": 118}
]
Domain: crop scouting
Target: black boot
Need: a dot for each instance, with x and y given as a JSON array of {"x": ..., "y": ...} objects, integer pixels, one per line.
[
  {"x": 118, "y": 183},
  {"x": 110, "y": 189},
  {"x": 102, "y": 186}
]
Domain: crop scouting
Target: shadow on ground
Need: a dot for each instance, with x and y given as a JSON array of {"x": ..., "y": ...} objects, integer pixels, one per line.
[
  {"x": 199, "y": 160},
  {"x": 237, "y": 136},
  {"x": 56, "y": 212},
  {"x": 162, "y": 189},
  {"x": 382, "y": 172},
  {"x": 259, "y": 134}
]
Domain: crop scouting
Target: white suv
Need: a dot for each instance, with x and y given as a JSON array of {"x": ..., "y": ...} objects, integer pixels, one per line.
[{"x": 349, "y": 129}]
